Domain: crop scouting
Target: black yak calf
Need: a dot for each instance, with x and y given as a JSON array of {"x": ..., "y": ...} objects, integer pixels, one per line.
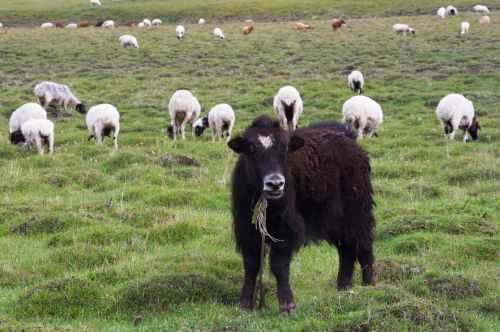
[{"x": 317, "y": 184}]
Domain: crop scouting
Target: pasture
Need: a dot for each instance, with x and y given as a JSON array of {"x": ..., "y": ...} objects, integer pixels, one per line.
[{"x": 141, "y": 239}]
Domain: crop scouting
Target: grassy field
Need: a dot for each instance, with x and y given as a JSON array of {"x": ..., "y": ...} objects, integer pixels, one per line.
[
  {"x": 36, "y": 11},
  {"x": 92, "y": 240}
]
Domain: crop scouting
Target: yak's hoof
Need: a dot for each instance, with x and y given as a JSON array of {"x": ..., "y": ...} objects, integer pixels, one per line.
[
  {"x": 287, "y": 307},
  {"x": 344, "y": 286},
  {"x": 247, "y": 304}
]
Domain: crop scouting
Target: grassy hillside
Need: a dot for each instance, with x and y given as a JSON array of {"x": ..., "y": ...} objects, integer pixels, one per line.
[
  {"x": 92, "y": 240},
  {"x": 36, "y": 11}
]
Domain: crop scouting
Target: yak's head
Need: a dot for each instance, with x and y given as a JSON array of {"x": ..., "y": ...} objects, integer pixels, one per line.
[
  {"x": 473, "y": 129},
  {"x": 200, "y": 125},
  {"x": 266, "y": 147},
  {"x": 17, "y": 137}
]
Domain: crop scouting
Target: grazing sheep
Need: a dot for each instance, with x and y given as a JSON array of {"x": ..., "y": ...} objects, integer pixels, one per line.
[
  {"x": 83, "y": 24},
  {"x": 72, "y": 25},
  {"x": 103, "y": 120},
  {"x": 108, "y": 24},
  {"x": 47, "y": 25},
  {"x": 316, "y": 183},
  {"x": 147, "y": 22},
  {"x": 20, "y": 116},
  {"x": 484, "y": 20},
  {"x": 221, "y": 119},
  {"x": 300, "y": 26},
  {"x": 455, "y": 111},
  {"x": 451, "y": 10},
  {"x": 247, "y": 29},
  {"x": 39, "y": 132},
  {"x": 201, "y": 21},
  {"x": 400, "y": 28},
  {"x": 363, "y": 114},
  {"x": 218, "y": 33},
  {"x": 441, "y": 12},
  {"x": 481, "y": 9},
  {"x": 141, "y": 25},
  {"x": 1, "y": 25},
  {"x": 288, "y": 106},
  {"x": 336, "y": 23},
  {"x": 356, "y": 82},
  {"x": 156, "y": 22},
  {"x": 128, "y": 41},
  {"x": 95, "y": 3},
  {"x": 464, "y": 28},
  {"x": 180, "y": 31},
  {"x": 183, "y": 107},
  {"x": 55, "y": 94}
]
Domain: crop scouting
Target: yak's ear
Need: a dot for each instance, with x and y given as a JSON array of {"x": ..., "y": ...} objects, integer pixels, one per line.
[
  {"x": 241, "y": 145},
  {"x": 295, "y": 143}
]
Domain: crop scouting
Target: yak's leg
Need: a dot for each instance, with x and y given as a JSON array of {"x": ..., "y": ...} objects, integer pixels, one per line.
[
  {"x": 347, "y": 256},
  {"x": 251, "y": 262},
  {"x": 280, "y": 259},
  {"x": 366, "y": 259}
]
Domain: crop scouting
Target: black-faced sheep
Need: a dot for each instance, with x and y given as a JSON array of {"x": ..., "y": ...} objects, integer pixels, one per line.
[
  {"x": 316, "y": 182},
  {"x": 363, "y": 114},
  {"x": 39, "y": 132},
  {"x": 55, "y": 94},
  {"x": 20, "y": 116},
  {"x": 103, "y": 120},
  {"x": 356, "y": 81},
  {"x": 183, "y": 107},
  {"x": 221, "y": 119},
  {"x": 288, "y": 106},
  {"x": 455, "y": 111}
]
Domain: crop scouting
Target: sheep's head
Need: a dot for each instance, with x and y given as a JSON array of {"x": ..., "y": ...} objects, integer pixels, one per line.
[
  {"x": 412, "y": 31},
  {"x": 81, "y": 108},
  {"x": 473, "y": 129},
  {"x": 17, "y": 137},
  {"x": 200, "y": 126}
]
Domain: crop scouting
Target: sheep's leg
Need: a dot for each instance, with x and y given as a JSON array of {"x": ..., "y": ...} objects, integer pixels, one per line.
[
  {"x": 39, "y": 145},
  {"x": 443, "y": 126},
  {"x": 283, "y": 120},
  {"x": 346, "y": 266},
  {"x": 174, "y": 128},
  {"x": 183, "y": 127},
  {"x": 230, "y": 131},
  {"x": 455, "y": 124},
  {"x": 219, "y": 132},
  {"x": 48, "y": 100},
  {"x": 466, "y": 136},
  {"x": 116, "y": 131},
  {"x": 280, "y": 259},
  {"x": 251, "y": 263},
  {"x": 51, "y": 143},
  {"x": 213, "y": 135}
]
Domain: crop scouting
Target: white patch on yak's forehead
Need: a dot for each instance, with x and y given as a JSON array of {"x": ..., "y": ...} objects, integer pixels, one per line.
[{"x": 266, "y": 141}]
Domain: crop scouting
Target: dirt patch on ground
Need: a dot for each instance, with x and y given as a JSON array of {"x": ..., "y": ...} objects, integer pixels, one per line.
[
  {"x": 170, "y": 160},
  {"x": 453, "y": 286},
  {"x": 38, "y": 225},
  {"x": 393, "y": 271}
]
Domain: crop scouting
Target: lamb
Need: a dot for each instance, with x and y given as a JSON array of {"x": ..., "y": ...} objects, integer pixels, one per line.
[
  {"x": 356, "y": 82},
  {"x": 108, "y": 24},
  {"x": 315, "y": 185},
  {"x": 221, "y": 119},
  {"x": 481, "y": 9},
  {"x": 20, "y": 116},
  {"x": 95, "y": 3},
  {"x": 47, "y": 25},
  {"x": 455, "y": 111},
  {"x": 183, "y": 107},
  {"x": 55, "y": 94},
  {"x": 464, "y": 28},
  {"x": 218, "y": 33},
  {"x": 128, "y": 41},
  {"x": 72, "y": 25},
  {"x": 451, "y": 10},
  {"x": 400, "y": 28},
  {"x": 288, "y": 106},
  {"x": 336, "y": 23},
  {"x": 39, "y": 132},
  {"x": 484, "y": 20},
  {"x": 103, "y": 120},
  {"x": 156, "y": 22},
  {"x": 363, "y": 114},
  {"x": 201, "y": 21},
  {"x": 180, "y": 31},
  {"x": 441, "y": 12}
]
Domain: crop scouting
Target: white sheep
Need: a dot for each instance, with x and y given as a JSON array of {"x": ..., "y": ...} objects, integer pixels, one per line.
[
  {"x": 218, "y": 33},
  {"x": 183, "y": 107},
  {"x": 1, "y": 25},
  {"x": 288, "y": 106},
  {"x": 201, "y": 21},
  {"x": 47, "y": 25},
  {"x": 141, "y": 25},
  {"x": 180, "y": 31},
  {"x": 484, "y": 20},
  {"x": 95, "y": 3},
  {"x": 103, "y": 120},
  {"x": 20, "y": 116},
  {"x": 402, "y": 29},
  {"x": 108, "y": 24},
  {"x": 147, "y": 22},
  {"x": 128, "y": 41},
  {"x": 464, "y": 28},
  {"x": 441, "y": 12},
  {"x": 156, "y": 22},
  {"x": 39, "y": 132},
  {"x": 363, "y": 114},
  {"x": 55, "y": 94},
  {"x": 451, "y": 10},
  {"x": 455, "y": 111},
  {"x": 356, "y": 82},
  {"x": 72, "y": 25},
  {"x": 221, "y": 119},
  {"x": 481, "y": 9}
]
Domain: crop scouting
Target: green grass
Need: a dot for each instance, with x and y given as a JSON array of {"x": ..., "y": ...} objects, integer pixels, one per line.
[{"x": 131, "y": 241}]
